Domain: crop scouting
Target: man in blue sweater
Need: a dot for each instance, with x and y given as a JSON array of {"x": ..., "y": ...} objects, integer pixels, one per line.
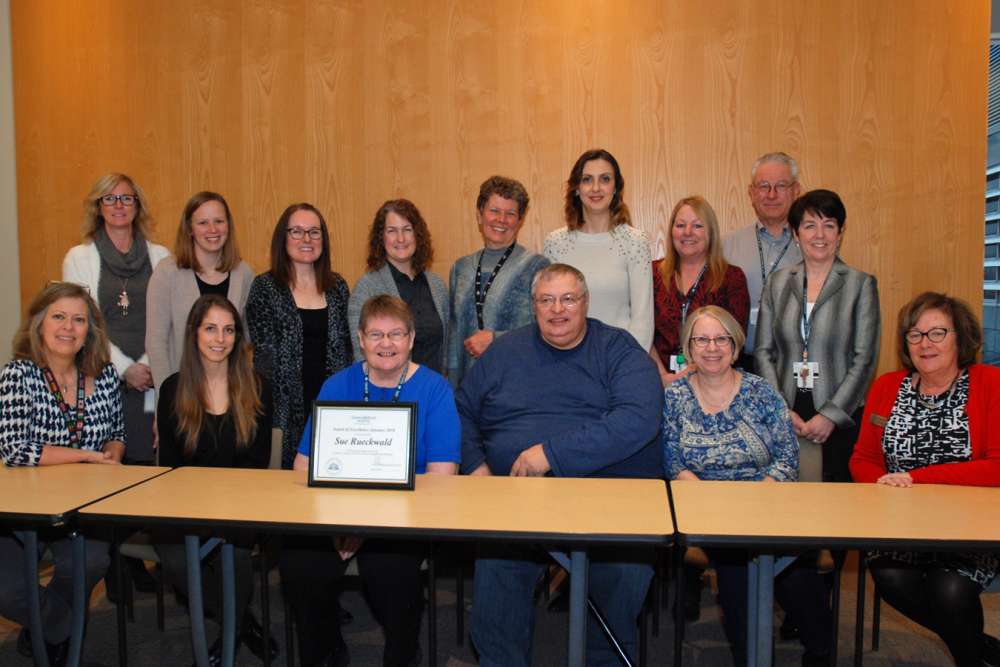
[{"x": 571, "y": 397}]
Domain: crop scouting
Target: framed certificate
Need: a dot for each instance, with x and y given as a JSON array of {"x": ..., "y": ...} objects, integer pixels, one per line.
[{"x": 356, "y": 444}]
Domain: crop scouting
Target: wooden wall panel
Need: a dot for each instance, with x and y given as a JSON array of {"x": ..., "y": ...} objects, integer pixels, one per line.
[{"x": 346, "y": 103}]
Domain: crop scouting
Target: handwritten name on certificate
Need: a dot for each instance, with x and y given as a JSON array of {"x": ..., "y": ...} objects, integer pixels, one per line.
[{"x": 363, "y": 444}]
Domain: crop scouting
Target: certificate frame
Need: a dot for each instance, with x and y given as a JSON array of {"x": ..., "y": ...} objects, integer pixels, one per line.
[{"x": 348, "y": 447}]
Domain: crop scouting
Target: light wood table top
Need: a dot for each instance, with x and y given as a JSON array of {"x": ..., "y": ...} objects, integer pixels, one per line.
[
  {"x": 545, "y": 509},
  {"x": 47, "y": 493},
  {"x": 926, "y": 516}
]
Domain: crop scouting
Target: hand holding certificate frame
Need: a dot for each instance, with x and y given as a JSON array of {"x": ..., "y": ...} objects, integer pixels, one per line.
[{"x": 368, "y": 445}]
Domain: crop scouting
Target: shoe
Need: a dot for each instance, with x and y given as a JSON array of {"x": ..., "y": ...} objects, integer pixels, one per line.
[
  {"x": 253, "y": 638},
  {"x": 57, "y": 653},
  {"x": 789, "y": 631},
  {"x": 991, "y": 650},
  {"x": 215, "y": 654}
]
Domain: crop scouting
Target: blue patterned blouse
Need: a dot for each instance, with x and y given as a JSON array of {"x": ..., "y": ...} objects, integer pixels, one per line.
[{"x": 751, "y": 438}]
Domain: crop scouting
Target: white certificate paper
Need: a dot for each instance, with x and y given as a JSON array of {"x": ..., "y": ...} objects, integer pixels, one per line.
[{"x": 363, "y": 444}]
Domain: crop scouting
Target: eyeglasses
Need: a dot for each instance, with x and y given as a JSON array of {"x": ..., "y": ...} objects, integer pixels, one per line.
[
  {"x": 298, "y": 233},
  {"x": 721, "y": 342},
  {"x": 935, "y": 335},
  {"x": 126, "y": 200},
  {"x": 764, "y": 188},
  {"x": 568, "y": 301},
  {"x": 395, "y": 335}
]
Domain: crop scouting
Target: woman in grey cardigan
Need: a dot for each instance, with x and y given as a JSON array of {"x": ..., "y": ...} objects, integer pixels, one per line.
[
  {"x": 206, "y": 261},
  {"x": 490, "y": 289},
  {"x": 399, "y": 256},
  {"x": 818, "y": 338}
]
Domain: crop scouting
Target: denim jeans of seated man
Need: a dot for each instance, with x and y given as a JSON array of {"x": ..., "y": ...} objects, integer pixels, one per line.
[{"x": 503, "y": 604}]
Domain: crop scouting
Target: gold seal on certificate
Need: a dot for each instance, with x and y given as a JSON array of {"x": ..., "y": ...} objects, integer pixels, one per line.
[{"x": 358, "y": 444}]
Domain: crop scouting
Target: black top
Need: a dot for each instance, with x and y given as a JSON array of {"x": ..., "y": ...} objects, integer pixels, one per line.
[
  {"x": 222, "y": 289},
  {"x": 314, "y": 334},
  {"x": 217, "y": 442},
  {"x": 428, "y": 346}
]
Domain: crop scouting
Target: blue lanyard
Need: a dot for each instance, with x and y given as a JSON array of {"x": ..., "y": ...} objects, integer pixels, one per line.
[
  {"x": 764, "y": 272},
  {"x": 399, "y": 387}
]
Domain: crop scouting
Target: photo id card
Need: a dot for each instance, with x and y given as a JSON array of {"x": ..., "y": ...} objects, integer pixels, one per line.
[
  {"x": 359, "y": 444},
  {"x": 805, "y": 373},
  {"x": 677, "y": 363}
]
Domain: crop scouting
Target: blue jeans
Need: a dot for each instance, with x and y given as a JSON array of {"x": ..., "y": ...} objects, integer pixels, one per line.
[{"x": 503, "y": 607}]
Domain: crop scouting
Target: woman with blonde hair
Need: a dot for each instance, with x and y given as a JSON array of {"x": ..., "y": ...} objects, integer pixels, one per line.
[
  {"x": 115, "y": 263},
  {"x": 206, "y": 261},
  {"x": 214, "y": 412},
  {"x": 693, "y": 273},
  {"x": 61, "y": 404}
]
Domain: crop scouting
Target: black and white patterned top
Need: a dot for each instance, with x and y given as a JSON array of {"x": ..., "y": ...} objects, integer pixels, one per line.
[
  {"x": 920, "y": 434},
  {"x": 917, "y": 436},
  {"x": 30, "y": 416}
]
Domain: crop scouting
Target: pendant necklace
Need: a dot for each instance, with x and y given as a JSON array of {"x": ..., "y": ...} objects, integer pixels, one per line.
[{"x": 123, "y": 301}]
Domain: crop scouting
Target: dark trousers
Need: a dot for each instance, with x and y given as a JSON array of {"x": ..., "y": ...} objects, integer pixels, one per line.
[
  {"x": 839, "y": 446},
  {"x": 941, "y": 600},
  {"x": 311, "y": 572},
  {"x": 57, "y": 597},
  {"x": 800, "y": 590},
  {"x": 173, "y": 560}
]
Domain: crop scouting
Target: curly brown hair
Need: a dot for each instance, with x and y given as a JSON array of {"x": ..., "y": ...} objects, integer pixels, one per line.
[
  {"x": 423, "y": 256},
  {"x": 968, "y": 332}
]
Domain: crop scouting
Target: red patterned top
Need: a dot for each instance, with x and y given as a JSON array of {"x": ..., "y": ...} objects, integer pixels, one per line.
[{"x": 668, "y": 303}]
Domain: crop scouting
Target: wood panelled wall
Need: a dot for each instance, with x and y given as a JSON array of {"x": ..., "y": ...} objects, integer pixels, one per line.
[{"x": 346, "y": 103}]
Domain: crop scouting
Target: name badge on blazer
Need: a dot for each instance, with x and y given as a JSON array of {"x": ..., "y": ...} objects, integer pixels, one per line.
[{"x": 878, "y": 420}]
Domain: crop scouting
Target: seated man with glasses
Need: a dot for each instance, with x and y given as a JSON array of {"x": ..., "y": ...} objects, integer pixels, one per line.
[
  {"x": 566, "y": 396},
  {"x": 767, "y": 245}
]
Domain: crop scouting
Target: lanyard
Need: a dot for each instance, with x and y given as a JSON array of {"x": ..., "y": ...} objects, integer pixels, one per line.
[
  {"x": 764, "y": 272},
  {"x": 483, "y": 288},
  {"x": 399, "y": 387},
  {"x": 74, "y": 419},
  {"x": 690, "y": 295}
]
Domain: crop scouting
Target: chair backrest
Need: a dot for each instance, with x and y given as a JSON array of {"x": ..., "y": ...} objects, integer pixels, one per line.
[{"x": 276, "y": 438}]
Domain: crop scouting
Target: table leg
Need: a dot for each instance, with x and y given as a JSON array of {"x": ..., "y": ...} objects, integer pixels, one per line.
[
  {"x": 229, "y": 606},
  {"x": 195, "y": 604},
  {"x": 79, "y": 598},
  {"x": 765, "y": 608},
  {"x": 579, "y": 576},
  {"x": 120, "y": 605},
  {"x": 678, "y": 558},
  {"x": 34, "y": 603},
  {"x": 859, "y": 618},
  {"x": 753, "y": 593}
]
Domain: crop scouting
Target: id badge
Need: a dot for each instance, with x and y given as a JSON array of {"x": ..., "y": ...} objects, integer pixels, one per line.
[
  {"x": 149, "y": 401},
  {"x": 677, "y": 363},
  {"x": 753, "y": 316},
  {"x": 805, "y": 373}
]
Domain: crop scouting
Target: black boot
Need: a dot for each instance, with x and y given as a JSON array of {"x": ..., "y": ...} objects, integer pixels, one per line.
[
  {"x": 693, "y": 584},
  {"x": 254, "y": 639}
]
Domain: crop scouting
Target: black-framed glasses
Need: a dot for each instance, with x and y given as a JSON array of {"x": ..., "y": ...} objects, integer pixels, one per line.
[
  {"x": 935, "y": 335},
  {"x": 568, "y": 301},
  {"x": 764, "y": 188},
  {"x": 126, "y": 200},
  {"x": 721, "y": 342},
  {"x": 298, "y": 233}
]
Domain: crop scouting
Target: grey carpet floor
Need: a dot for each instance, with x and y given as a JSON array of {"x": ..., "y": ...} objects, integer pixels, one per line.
[{"x": 902, "y": 642}]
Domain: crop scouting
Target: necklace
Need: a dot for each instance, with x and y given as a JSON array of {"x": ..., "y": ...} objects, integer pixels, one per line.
[
  {"x": 123, "y": 301},
  {"x": 718, "y": 405},
  {"x": 935, "y": 402}
]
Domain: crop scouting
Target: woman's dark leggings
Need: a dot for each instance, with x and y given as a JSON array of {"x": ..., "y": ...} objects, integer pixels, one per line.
[{"x": 941, "y": 600}]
